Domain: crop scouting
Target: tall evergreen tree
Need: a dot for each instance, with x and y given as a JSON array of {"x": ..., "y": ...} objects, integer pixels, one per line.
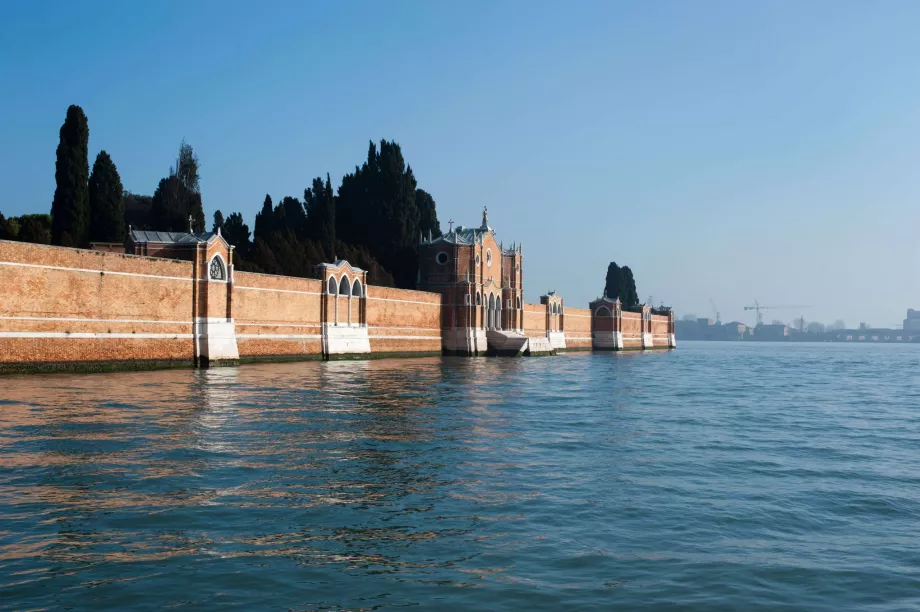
[
  {"x": 320, "y": 204},
  {"x": 218, "y": 221},
  {"x": 264, "y": 218},
  {"x": 71, "y": 193},
  {"x": 178, "y": 196},
  {"x": 106, "y": 202},
  {"x": 630, "y": 296},
  {"x": 237, "y": 233},
  {"x": 428, "y": 214},
  {"x": 613, "y": 284},
  {"x": 138, "y": 211}
]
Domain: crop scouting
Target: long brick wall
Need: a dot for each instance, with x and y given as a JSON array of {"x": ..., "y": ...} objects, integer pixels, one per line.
[
  {"x": 577, "y": 324},
  {"x": 403, "y": 321},
  {"x": 277, "y": 316},
  {"x": 71, "y": 305},
  {"x": 534, "y": 320},
  {"x": 62, "y": 306}
]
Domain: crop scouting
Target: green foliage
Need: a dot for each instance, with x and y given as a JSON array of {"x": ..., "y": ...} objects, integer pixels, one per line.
[
  {"x": 69, "y": 209},
  {"x": 320, "y": 204},
  {"x": 428, "y": 214},
  {"x": 621, "y": 284},
  {"x": 178, "y": 196},
  {"x": 376, "y": 209},
  {"x": 9, "y": 228},
  {"x": 35, "y": 228},
  {"x": 138, "y": 211},
  {"x": 106, "y": 202},
  {"x": 218, "y": 221}
]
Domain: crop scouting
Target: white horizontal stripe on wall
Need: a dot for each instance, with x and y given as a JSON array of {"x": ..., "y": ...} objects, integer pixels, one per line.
[
  {"x": 84, "y": 335},
  {"x": 437, "y": 329},
  {"x": 438, "y": 304},
  {"x": 278, "y": 325},
  {"x": 404, "y": 337},
  {"x": 84, "y": 320},
  {"x": 277, "y": 290},
  {"x": 100, "y": 272},
  {"x": 279, "y": 336}
]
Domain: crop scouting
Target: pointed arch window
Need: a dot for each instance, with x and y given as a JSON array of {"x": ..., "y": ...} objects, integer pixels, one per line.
[
  {"x": 344, "y": 286},
  {"x": 216, "y": 270},
  {"x": 356, "y": 288},
  {"x": 332, "y": 286}
]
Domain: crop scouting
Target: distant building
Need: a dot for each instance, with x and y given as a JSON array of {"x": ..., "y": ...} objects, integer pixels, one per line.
[
  {"x": 912, "y": 322},
  {"x": 771, "y": 332}
]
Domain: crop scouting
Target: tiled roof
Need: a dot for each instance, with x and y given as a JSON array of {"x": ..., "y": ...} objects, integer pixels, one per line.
[{"x": 141, "y": 236}]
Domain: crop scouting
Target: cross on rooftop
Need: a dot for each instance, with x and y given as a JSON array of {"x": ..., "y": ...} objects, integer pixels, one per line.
[{"x": 451, "y": 224}]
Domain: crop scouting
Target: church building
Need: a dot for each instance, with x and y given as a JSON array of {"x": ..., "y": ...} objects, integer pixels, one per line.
[{"x": 482, "y": 286}]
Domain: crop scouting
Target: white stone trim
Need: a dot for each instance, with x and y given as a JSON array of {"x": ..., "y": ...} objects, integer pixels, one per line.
[
  {"x": 103, "y": 272},
  {"x": 235, "y": 287},
  {"x": 407, "y": 337},
  {"x": 438, "y": 304},
  {"x": 279, "y": 325},
  {"x": 85, "y": 320},
  {"x": 84, "y": 335},
  {"x": 281, "y": 336}
]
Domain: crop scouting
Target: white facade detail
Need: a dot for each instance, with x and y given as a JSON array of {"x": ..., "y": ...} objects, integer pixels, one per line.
[{"x": 216, "y": 340}]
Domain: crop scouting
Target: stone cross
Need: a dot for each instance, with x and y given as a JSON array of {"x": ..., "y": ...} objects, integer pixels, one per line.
[
  {"x": 191, "y": 230},
  {"x": 451, "y": 224}
]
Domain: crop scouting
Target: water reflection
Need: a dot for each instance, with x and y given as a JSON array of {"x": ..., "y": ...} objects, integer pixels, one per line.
[{"x": 358, "y": 485}]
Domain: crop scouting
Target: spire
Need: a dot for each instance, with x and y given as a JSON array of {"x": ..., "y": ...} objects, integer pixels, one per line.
[{"x": 485, "y": 218}]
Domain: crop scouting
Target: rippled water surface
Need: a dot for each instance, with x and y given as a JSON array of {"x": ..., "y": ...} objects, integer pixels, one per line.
[{"x": 717, "y": 476}]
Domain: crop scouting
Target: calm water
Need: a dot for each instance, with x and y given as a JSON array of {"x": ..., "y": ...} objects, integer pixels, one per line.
[{"x": 717, "y": 476}]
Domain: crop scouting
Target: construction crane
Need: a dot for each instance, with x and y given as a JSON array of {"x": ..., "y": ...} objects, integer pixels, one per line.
[
  {"x": 716, "y": 311},
  {"x": 759, "y": 309}
]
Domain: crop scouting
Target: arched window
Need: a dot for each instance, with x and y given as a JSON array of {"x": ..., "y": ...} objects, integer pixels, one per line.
[
  {"x": 216, "y": 270},
  {"x": 356, "y": 288},
  {"x": 478, "y": 299},
  {"x": 332, "y": 285},
  {"x": 344, "y": 286},
  {"x": 466, "y": 299},
  {"x": 491, "y": 301},
  {"x": 603, "y": 311},
  {"x": 519, "y": 302}
]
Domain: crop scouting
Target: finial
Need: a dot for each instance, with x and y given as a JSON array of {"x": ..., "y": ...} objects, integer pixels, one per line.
[
  {"x": 485, "y": 217},
  {"x": 191, "y": 230},
  {"x": 451, "y": 224},
  {"x": 218, "y": 230}
]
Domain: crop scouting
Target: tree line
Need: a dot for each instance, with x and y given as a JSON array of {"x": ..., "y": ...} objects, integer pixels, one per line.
[{"x": 374, "y": 218}]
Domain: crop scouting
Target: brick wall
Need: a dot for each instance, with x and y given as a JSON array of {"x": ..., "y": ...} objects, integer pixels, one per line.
[
  {"x": 534, "y": 320},
  {"x": 74, "y": 305},
  {"x": 577, "y": 324},
  {"x": 277, "y": 315},
  {"x": 403, "y": 321},
  {"x": 632, "y": 330},
  {"x": 660, "y": 330}
]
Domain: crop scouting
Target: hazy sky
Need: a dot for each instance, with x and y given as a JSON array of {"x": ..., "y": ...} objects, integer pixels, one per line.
[{"x": 724, "y": 150}]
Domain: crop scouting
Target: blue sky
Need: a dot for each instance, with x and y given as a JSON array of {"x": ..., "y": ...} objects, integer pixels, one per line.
[{"x": 724, "y": 150}]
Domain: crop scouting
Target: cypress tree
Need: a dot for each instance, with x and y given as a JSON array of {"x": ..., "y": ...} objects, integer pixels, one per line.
[
  {"x": 614, "y": 281},
  {"x": 218, "y": 221},
  {"x": 630, "y": 296},
  {"x": 428, "y": 214},
  {"x": 71, "y": 175},
  {"x": 320, "y": 203},
  {"x": 106, "y": 202},
  {"x": 264, "y": 221}
]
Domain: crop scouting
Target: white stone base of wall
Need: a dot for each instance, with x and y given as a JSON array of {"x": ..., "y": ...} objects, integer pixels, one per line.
[
  {"x": 672, "y": 341},
  {"x": 539, "y": 346},
  {"x": 345, "y": 340},
  {"x": 609, "y": 341},
  {"x": 556, "y": 339},
  {"x": 506, "y": 342},
  {"x": 216, "y": 340},
  {"x": 647, "y": 341},
  {"x": 464, "y": 341}
]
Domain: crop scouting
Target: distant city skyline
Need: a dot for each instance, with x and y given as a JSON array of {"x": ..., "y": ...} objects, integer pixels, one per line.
[{"x": 724, "y": 151}]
